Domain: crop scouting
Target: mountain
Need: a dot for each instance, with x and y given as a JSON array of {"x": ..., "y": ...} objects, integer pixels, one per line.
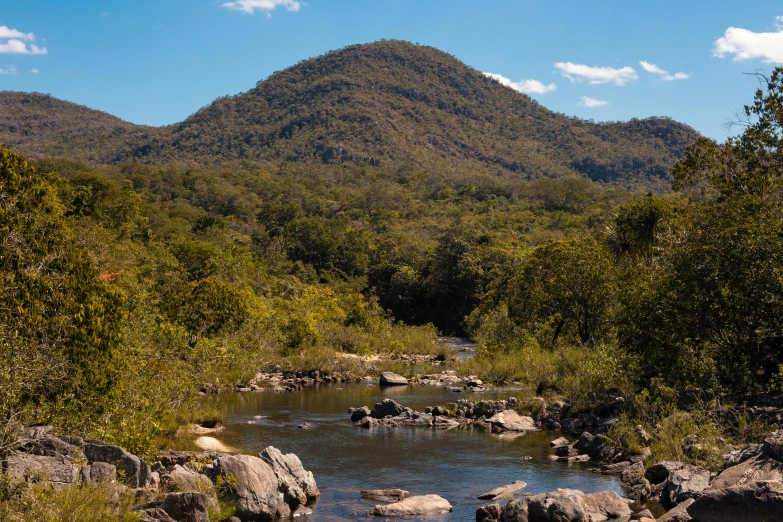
[{"x": 387, "y": 103}]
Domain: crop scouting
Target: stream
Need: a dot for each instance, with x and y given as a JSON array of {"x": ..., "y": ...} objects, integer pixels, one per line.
[{"x": 457, "y": 465}]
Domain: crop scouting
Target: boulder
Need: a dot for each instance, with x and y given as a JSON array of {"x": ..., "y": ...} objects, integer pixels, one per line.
[
  {"x": 515, "y": 511},
  {"x": 190, "y": 507},
  {"x": 99, "y": 472},
  {"x": 360, "y": 413},
  {"x": 562, "y": 505},
  {"x": 773, "y": 446},
  {"x": 572, "y": 426},
  {"x": 154, "y": 515},
  {"x": 566, "y": 451},
  {"x": 740, "y": 455},
  {"x": 414, "y": 506},
  {"x": 660, "y": 471},
  {"x": 302, "y": 511},
  {"x": 679, "y": 513},
  {"x": 392, "y": 379},
  {"x": 133, "y": 471},
  {"x": 605, "y": 505},
  {"x": 35, "y": 432},
  {"x": 752, "y": 502},
  {"x": 635, "y": 485},
  {"x": 490, "y": 513},
  {"x": 295, "y": 483},
  {"x": 384, "y": 495},
  {"x": 59, "y": 470},
  {"x": 757, "y": 469},
  {"x": 186, "y": 480},
  {"x": 503, "y": 491},
  {"x": 562, "y": 441},
  {"x": 255, "y": 494},
  {"x": 510, "y": 420},
  {"x": 682, "y": 484},
  {"x": 388, "y": 407},
  {"x": 47, "y": 446},
  {"x": 596, "y": 446}
]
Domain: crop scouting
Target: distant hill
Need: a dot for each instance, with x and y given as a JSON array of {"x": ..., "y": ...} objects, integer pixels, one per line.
[{"x": 387, "y": 103}]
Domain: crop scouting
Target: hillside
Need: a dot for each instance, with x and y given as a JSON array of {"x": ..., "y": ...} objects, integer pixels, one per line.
[{"x": 387, "y": 103}]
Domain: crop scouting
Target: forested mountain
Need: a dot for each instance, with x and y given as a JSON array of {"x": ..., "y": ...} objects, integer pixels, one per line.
[{"x": 388, "y": 103}]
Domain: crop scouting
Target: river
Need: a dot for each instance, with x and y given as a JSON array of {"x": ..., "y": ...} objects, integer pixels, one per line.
[{"x": 457, "y": 465}]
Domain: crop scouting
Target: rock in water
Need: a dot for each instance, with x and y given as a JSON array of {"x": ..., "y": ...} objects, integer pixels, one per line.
[
  {"x": 384, "y": 495},
  {"x": 295, "y": 483},
  {"x": 255, "y": 494},
  {"x": 388, "y": 407},
  {"x": 414, "y": 506},
  {"x": 754, "y": 502},
  {"x": 509, "y": 489},
  {"x": 511, "y": 421},
  {"x": 606, "y": 505},
  {"x": 558, "y": 506},
  {"x": 393, "y": 379}
]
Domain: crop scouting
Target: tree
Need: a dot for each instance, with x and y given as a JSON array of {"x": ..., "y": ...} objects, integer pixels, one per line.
[{"x": 565, "y": 286}]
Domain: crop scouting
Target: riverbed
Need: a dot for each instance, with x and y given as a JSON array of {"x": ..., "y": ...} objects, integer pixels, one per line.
[{"x": 457, "y": 465}]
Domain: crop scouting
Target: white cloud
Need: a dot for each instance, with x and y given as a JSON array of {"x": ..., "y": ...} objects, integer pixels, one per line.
[
  {"x": 592, "y": 103},
  {"x": 654, "y": 69},
  {"x": 524, "y": 86},
  {"x": 250, "y": 6},
  {"x": 7, "y": 32},
  {"x": 596, "y": 75},
  {"x": 34, "y": 71},
  {"x": 8, "y": 70},
  {"x": 747, "y": 45},
  {"x": 15, "y": 42}
]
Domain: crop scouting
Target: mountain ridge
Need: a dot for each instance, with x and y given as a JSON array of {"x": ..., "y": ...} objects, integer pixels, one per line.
[{"x": 385, "y": 103}]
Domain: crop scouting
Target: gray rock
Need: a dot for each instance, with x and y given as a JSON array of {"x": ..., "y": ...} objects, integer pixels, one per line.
[
  {"x": 59, "y": 470},
  {"x": 302, "y": 511},
  {"x": 414, "y": 506},
  {"x": 679, "y": 513},
  {"x": 753, "y": 470},
  {"x": 47, "y": 446},
  {"x": 132, "y": 470},
  {"x": 503, "y": 491},
  {"x": 596, "y": 447},
  {"x": 562, "y": 441},
  {"x": 188, "y": 481},
  {"x": 562, "y": 505},
  {"x": 773, "y": 446},
  {"x": 490, "y": 513},
  {"x": 605, "y": 505},
  {"x": 295, "y": 483},
  {"x": 510, "y": 420},
  {"x": 388, "y": 407},
  {"x": 740, "y": 455},
  {"x": 392, "y": 379},
  {"x": 645, "y": 513},
  {"x": 572, "y": 426},
  {"x": 190, "y": 507},
  {"x": 566, "y": 451},
  {"x": 154, "y": 515},
  {"x": 682, "y": 484},
  {"x": 384, "y": 495},
  {"x": 359, "y": 413},
  {"x": 659, "y": 472},
  {"x": 35, "y": 432},
  {"x": 753, "y": 502},
  {"x": 256, "y": 494},
  {"x": 100, "y": 472}
]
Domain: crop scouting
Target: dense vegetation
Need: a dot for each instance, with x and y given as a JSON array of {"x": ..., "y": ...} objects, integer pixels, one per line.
[{"x": 389, "y": 103}]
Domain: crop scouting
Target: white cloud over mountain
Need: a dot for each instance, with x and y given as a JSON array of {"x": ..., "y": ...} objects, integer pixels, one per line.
[
  {"x": 524, "y": 86},
  {"x": 592, "y": 103},
  {"x": 597, "y": 75},
  {"x": 13, "y": 41},
  {"x": 251, "y": 6},
  {"x": 748, "y": 45},
  {"x": 665, "y": 75}
]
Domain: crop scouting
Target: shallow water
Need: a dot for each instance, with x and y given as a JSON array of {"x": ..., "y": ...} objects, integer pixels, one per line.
[{"x": 457, "y": 465}]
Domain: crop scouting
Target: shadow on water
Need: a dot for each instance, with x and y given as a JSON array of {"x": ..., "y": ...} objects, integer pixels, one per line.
[{"x": 458, "y": 465}]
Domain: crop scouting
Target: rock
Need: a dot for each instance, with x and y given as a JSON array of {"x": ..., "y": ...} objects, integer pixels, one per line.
[
  {"x": 511, "y": 421},
  {"x": 255, "y": 494},
  {"x": 392, "y": 379},
  {"x": 99, "y": 472},
  {"x": 384, "y": 495},
  {"x": 306, "y": 426},
  {"x": 605, "y": 505},
  {"x": 503, "y": 491},
  {"x": 59, "y": 470},
  {"x": 359, "y": 413},
  {"x": 47, "y": 446},
  {"x": 659, "y": 472},
  {"x": 566, "y": 451},
  {"x": 682, "y": 484},
  {"x": 740, "y": 455},
  {"x": 490, "y": 513},
  {"x": 36, "y": 432},
  {"x": 679, "y": 513},
  {"x": 596, "y": 447},
  {"x": 642, "y": 515},
  {"x": 515, "y": 511},
  {"x": 757, "y": 469},
  {"x": 388, "y": 407},
  {"x": 134, "y": 471},
  {"x": 773, "y": 446},
  {"x": 562, "y": 441},
  {"x": 154, "y": 515},
  {"x": 211, "y": 444},
  {"x": 753, "y": 502},
  {"x": 572, "y": 426},
  {"x": 562, "y": 505},
  {"x": 186, "y": 480},
  {"x": 635, "y": 485},
  {"x": 302, "y": 511},
  {"x": 414, "y": 506},
  {"x": 187, "y": 506},
  {"x": 295, "y": 483}
]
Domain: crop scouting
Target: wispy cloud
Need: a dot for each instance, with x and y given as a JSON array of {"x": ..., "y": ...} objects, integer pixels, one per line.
[
  {"x": 34, "y": 71},
  {"x": 8, "y": 70},
  {"x": 13, "y": 41},
  {"x": 524, "y": 86},
  {"x": 747, "y": 45},
  {"x": 596, "y": 75},
  {"x": 251, "y": 6},
  {"x": 592, "y": 103},
  {"x": 665, "y": 75}
]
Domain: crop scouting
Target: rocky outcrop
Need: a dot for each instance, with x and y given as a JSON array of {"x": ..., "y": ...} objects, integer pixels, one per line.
[
  {"x": 384, "y": 495},
  {"x": 750, "y": 502},
  {"x": 58, "y": 470},
  {"x": 562, "y": 505},
  {"x": 679, "y": 513},
  {"x": 510, "y": 420},
  {"x": 503, "y": 491},
  {"x": 392, "y": 379},
  {"x": 295, "y": 483},
  {"x": 606, "y": 505},
  {"x": 414, "y": 506},
  {"x": 178, "y": 506},
  {"x": 255, "y": 491},
  {"x": 133, "y": 470}
]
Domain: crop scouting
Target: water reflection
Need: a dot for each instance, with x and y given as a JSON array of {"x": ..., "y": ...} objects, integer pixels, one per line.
[{"x": 457, "y": 465}]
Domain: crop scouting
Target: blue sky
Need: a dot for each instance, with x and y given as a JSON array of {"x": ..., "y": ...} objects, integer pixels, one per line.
[{"x": 158, "y": 61}]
